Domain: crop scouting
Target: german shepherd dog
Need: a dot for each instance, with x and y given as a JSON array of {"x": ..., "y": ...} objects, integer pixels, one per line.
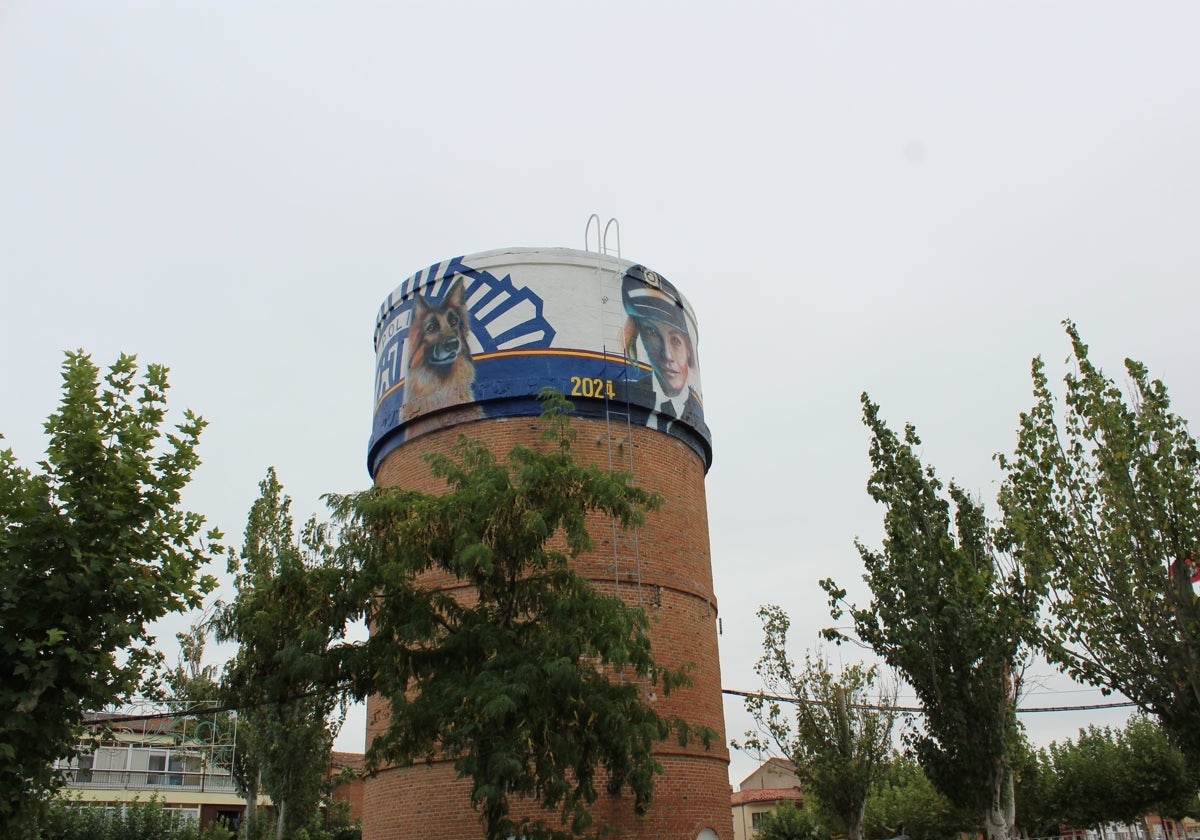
[{"x": 440, "y": 369}]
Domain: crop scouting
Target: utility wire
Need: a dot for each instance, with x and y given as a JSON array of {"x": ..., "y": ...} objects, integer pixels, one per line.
[
  {"x": 732, "y": 692},
  {"x": 198, "y": 709},
  {"x": 918, "y": 710}
]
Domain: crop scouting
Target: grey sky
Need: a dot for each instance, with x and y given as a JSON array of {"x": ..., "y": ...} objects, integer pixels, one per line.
[{"x": 898, "y": 197}]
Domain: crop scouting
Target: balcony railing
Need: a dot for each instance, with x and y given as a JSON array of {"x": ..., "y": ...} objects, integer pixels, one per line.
[{"x": 149, "y": 780}]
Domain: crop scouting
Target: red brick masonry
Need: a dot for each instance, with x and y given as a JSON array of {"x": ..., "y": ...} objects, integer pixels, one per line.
[{"x": 676, "y": 592}]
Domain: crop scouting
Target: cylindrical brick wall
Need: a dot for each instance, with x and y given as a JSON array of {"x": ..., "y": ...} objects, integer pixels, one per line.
[{"x": 691, "y": 798}]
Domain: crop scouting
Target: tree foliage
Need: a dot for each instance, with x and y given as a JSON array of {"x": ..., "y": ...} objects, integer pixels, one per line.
[
  {"x": 285, "y": 617},
  {"x": 789, "y": 822},
  {"x": 951, "y": 617},
  {"x": 138, "y": 820},
  {"x": 1088, "y": 785},
  {"x": 94, "y": 546},
  {"x": 1103, "y": 502},
  {"x": 902, "y": 795},
  {"x": 530, "y": 679},
  {"x": 1034, "y": 789},
  {"x": 191, "y": 681},
  {"x": 1108, "y": 776},
  {"x": 1158, "y": 778},
  {"x": 843, "y": 726}
]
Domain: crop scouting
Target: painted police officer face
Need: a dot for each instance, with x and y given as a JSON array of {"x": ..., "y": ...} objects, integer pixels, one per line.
[{"x": 670, "y": 355}]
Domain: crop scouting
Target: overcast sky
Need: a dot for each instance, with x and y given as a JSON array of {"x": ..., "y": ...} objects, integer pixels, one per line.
[{"x": 899, "y": 197}]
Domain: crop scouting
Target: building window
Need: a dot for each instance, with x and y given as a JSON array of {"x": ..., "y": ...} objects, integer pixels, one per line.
[
  {"x": 756, "y": 821},
  {"x": 165, "y": 769},
  {"x": 77, "y": 769},
  {"x": 108, "y": 766},
  {"x": 192, "y": 814}
]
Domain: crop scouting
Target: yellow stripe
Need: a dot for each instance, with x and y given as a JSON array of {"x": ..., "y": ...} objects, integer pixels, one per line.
[
  {"x": 507, "y": 354},
  {"x": 579, "y": 354}
]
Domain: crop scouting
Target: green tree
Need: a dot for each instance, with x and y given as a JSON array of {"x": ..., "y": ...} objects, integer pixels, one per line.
[
  {"x": 903, "y": 795},
  {"x": 1089, "y": 782},
  {"x": 94, "y": 546},
  {"x": 1107, "y": 776},
  {"x": 191, "y": 681},
  {"x": 788, "y": 822},
  {"x": 843, "y": 727},
  {"x": 1157, "y": 778},
  {"x": 1034, "y": 784},
  {"x": 1103, "y": 502},
  {"x": 951, "y": 617},
  {"x": 285, "y": 617},
  {"x": 532, "y": 680},
  {"x": 137, "y": 820}
]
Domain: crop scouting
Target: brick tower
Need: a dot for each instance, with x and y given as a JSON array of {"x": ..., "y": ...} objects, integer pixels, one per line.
[{"x": 621, "y": 342}]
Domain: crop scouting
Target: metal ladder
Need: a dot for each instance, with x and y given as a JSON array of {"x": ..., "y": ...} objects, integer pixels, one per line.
[
  {"x": 618, "y": 422},
  {"x": 618, "y": 429},
  {"x": 626, "y": 546},
  {"x": 618, "y": 434}
]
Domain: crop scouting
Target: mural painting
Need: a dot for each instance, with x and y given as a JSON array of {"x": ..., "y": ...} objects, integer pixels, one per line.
[
  {"x": 480, "y": 336},
  {"x": 658, "y": 324}
]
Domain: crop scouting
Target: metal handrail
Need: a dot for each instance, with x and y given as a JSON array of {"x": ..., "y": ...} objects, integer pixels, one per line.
[
  {"x": 587, "y": 231},
  {"x": 611, "y": 222},
  {"x": 149, "y": 780}
]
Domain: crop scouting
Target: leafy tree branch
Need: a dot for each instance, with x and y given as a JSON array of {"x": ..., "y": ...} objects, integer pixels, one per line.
[{"x": 94, "y": 546}]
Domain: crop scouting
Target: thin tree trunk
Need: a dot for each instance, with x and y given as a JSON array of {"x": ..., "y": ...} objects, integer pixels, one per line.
[
  {"x": 1001, "y": 815},
  {"x": 854, "y": 823},
  {"x": 252, "y": 798},
  {"x": 493, "y": 815},
  {"x": 1010, "y": 799},
  {"x": 281, "y": 809},
  {"x": 995, "y": 828}
]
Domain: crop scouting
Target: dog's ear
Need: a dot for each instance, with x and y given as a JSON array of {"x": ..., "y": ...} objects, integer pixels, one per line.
[
  {"x": 420, "y": 305},
  {"x": 455, "y": 295}
]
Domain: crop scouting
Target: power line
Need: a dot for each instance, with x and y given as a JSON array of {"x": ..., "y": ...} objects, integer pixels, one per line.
[
  {"x": 918, "y": 710},
  {"x": 198, "y": 709},
  {"x": 732, "y": 692}
]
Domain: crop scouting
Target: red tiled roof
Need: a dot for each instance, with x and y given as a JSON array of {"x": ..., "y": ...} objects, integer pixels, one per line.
[{"x": 744, "y": 797}]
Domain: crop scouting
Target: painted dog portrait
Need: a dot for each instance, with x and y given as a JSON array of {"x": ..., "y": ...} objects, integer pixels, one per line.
[{"x": 440, "y": 369}]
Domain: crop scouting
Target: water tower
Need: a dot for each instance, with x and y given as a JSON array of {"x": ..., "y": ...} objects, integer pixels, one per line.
[{"x": 491, "y": 330}]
